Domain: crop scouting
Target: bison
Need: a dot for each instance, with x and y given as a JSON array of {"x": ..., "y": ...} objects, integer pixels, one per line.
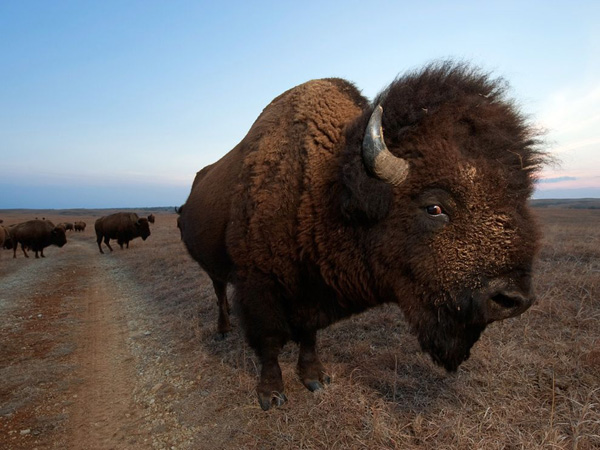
[
  {"x": 5, "y": 238},
  {"x": 122, "y": 226},
  {"x": 36, "y": 235},
  {"x": 79, "y": 226},
  {"x": 68, "y": 226},
  {"x": 151, "y": 218},
  {"x": 332, "y": 205}
]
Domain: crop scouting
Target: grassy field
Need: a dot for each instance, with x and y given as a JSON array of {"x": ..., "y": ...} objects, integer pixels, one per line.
[{"x": 531, "y": 382}]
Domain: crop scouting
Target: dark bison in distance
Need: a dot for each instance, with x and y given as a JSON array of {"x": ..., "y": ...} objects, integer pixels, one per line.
[
  {"x": 68, "y": 226},
  {"x": 331, "y": 205},
  {"x": 5, "y": 238},
  {"x": 36, "y": 235},
  {"x": 79, "y": 226},
  {"x": 123, "y": 227}
]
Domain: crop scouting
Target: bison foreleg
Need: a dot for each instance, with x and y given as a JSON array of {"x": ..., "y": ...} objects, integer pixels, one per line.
[
  {"x": 270, "y": 387},
  {"x": 267, "y": 331},
  {"x": 99, "y": 242},
  {"x": 24, "y": 252},
  {"x": 107, "y": 242},
  {"x": 310, "y": 370},
  {"x": 223, "y": 325}
]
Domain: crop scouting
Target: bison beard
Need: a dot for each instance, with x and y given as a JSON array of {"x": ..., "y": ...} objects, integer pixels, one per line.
[
  {"x": 446, "y": 338},
  {"x": 331, "y": 205}
]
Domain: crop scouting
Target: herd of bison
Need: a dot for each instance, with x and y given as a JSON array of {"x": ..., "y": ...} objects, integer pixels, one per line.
[{"x": 37, "y": 234}]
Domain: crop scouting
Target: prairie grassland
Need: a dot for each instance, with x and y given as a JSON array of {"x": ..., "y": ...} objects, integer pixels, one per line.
[{"x": 531, "y": 382}]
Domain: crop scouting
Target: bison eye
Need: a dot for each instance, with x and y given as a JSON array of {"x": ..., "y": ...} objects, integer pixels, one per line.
[{"x": 434, "y": 210}]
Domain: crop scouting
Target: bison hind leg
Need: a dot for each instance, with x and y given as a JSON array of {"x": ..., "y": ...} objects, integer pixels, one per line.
[
  {"x": 310, "y": 370},
  {"x": 223, "y": 324},
  {"x": 267, "y": 331}
]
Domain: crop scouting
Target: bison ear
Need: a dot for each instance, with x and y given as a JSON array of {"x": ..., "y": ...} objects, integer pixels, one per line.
[{"x": 364, "y": 200}]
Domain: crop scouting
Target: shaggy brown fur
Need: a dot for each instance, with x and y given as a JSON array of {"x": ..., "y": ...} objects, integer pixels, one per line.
[
  {"x": 36, "y": 235},
  {"x": 121, "y": 226},
  {"x": 293, "y": 218}
]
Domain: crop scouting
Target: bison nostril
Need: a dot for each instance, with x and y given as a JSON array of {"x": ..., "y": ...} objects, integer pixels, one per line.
[
  {"x": 503, "y": 305},
  {"x": 508, "y": 301}
]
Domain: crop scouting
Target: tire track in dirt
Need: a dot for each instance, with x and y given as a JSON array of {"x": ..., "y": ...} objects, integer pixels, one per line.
[
  {"x": 105, "y": 414},
  {"x": 65, "y": 344}
]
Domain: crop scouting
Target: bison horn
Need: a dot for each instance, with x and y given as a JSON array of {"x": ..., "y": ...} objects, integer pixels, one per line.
[{"x": 376, "y": 156}]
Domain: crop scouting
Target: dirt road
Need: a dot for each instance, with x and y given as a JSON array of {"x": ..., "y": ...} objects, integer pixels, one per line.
[{"x": 68, "y": 372}]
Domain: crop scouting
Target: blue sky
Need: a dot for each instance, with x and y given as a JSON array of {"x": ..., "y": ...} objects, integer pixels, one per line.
[{"x": 119, "y": 103}]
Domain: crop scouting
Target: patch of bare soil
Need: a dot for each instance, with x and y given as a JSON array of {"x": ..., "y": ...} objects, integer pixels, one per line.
[{"x": 68, "y": 375}]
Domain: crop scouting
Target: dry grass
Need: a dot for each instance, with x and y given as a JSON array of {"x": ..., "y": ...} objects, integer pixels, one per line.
[{"x": 531, "y": 382}]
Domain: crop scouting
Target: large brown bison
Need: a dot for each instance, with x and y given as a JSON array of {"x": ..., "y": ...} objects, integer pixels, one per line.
[
  {"x": 122, "y": 226},
  {"x": 36, "y": 235},
  {"x": 331, "y": 205}
]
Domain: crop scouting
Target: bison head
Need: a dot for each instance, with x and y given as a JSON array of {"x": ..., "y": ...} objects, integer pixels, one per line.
[
  {"x": 449, "y": 169},
  {"x": 59, "y": 236},
  {"x": 143, "y": 228}
]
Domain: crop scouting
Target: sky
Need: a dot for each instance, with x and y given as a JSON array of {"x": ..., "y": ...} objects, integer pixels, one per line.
[{"x": 118, "y": 104}]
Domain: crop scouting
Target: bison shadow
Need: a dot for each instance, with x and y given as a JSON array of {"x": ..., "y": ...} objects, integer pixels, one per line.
[{"x": 385, "y": 359}]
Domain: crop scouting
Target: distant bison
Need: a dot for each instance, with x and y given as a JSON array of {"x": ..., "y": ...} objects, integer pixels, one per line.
[
  {"x": 79, "y": 226},
  {"x": 66, "y": 225},
  {"x": 123, "y": 227},
  {"x": 36, "y": 235},
  {"x": 151, "y": 218},
  {"x": 331, "y": 205},
  {"x": 5, "y": 239}
]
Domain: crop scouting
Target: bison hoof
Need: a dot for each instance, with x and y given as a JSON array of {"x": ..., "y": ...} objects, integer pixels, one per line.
[
  {"x": 272, "y": 398},
  {"x": 314, "y": 386},
  {"x": 221, "y": 336},
  {"x": 223, "y": 330}
]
